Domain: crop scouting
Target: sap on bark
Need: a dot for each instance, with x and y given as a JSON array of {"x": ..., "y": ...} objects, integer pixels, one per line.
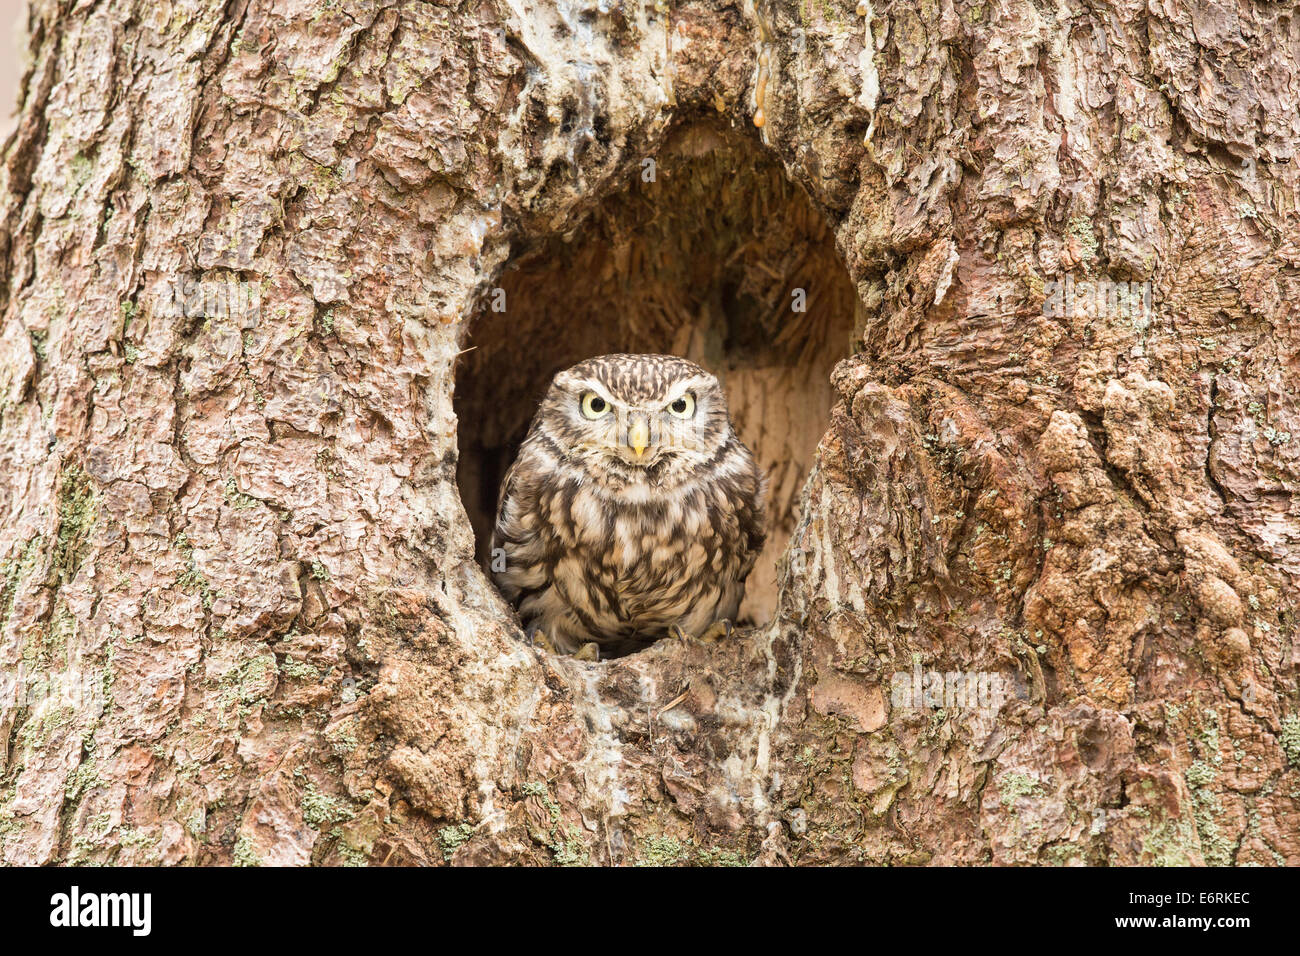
[{"x": 717, "y": 257}]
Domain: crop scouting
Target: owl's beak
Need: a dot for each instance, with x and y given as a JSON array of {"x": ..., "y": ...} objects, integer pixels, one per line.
[{"x": 638, "y": 435}]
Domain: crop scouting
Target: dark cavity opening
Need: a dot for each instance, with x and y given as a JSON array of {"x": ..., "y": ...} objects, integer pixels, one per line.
[{"x": 704, "y": 262}]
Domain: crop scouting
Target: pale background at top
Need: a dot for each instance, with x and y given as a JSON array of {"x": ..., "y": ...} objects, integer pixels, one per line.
[{"x": 13, "y": 28}]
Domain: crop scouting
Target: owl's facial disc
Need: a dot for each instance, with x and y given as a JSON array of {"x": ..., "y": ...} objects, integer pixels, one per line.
[
  {"x": 635, "y": 434},
  {"x": 649, "y": 433},
  {"x": 632, "y": 434},
  {"x": 642, "y": 434}
]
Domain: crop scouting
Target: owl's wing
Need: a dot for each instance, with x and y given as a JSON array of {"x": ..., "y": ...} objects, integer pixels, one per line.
[
  {"x": 508, "y": 487},
  {"x": 752, "y": 516},
  {"x": 510, "y": 483},
  {"x": 507, "y": 483}
]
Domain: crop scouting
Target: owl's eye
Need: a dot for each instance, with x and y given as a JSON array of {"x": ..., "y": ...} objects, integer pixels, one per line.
[
  {"x": 684, "y": 407},
  {"x": 593, "y": 406}
]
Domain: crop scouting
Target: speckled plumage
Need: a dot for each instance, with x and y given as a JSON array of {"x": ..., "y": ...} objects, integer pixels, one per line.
[{"x": 604, "y": 543}]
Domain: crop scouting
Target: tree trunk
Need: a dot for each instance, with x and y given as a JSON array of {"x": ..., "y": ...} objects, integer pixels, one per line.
[{"x": 1050, "y": 484}]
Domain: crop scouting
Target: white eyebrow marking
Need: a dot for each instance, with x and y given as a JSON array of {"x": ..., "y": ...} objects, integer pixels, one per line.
[
  {"x": 591, "y": 385},
  {"x": 681, "y": 388}
]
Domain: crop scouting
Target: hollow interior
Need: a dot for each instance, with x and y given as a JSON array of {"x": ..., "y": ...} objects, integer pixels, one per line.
[{"x": 705, "y": 262}]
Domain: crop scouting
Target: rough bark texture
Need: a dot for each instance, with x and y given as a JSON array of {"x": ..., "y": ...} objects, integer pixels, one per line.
[{"x": 245, "y": 525}]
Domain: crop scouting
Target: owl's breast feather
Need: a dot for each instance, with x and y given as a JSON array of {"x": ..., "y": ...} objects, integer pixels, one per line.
[{"x": 609, "y": 563}]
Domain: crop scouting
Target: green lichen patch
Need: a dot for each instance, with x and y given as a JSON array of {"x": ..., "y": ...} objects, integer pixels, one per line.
[
  {"x": 320, "y": 810},
  {"x": 145, "y": 842},
  {"x": 1171, "y": 843},
  {"x": 564, "y": 842},
  {"x": 12, "y": 572},
  {"x": 1207, "y": 811},
  {"x": 192, "y": 580},
  {"x": 661, "y": 851},
  {"x": 42, "y": 727},
  {"x": 8, "y": 824},
  {"x": 250, "y": 683},
  {"x": 82, "y": 780},
  {"x": 1015, "y": 785},
  {"x": 1200, "y": 774},
  {"x": 77, "y": 512},
  {"x": 720, "y": 857},
  {"x": 452, "y": 838},
  {"x": 299, "y": 671},
  {"x": 351, "y": 856},
  {"x": 236, "y": 498},
  {"x": 669, "y": 851},
  {"x": 45, "y": 646},
  {"x": 1081, "y": 230},
  {"x": 244, "y": 854},
  {"x": 1290, "y": 739}
]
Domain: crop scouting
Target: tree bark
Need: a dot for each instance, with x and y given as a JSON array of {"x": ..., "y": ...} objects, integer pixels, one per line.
[{"x": 242, "y": 620}]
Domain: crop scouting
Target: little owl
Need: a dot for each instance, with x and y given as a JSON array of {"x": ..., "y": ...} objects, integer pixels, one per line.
[{"x": 633, "y": 511}]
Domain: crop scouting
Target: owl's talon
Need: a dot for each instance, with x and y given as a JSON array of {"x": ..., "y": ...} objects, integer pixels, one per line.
[
  {"x": 538, "y": 638},
  {"x": 588, "y": 652},
  {"x": 717, "y": 631}
]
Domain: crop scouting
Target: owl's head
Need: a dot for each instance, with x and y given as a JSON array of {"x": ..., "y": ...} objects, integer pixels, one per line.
[{"x": 641, "y": 417}]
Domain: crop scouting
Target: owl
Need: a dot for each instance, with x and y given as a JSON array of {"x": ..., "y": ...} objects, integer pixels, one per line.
[{"x": 632, "y": 512}]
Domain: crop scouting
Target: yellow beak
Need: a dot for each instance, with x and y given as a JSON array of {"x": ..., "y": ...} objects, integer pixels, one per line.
[{"x": 638, "y": 436}]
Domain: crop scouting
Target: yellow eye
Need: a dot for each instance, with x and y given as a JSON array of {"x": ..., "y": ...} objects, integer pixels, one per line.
[
  {"x": 684, "y": 407},
  {"x": 593, "y": 406}
]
